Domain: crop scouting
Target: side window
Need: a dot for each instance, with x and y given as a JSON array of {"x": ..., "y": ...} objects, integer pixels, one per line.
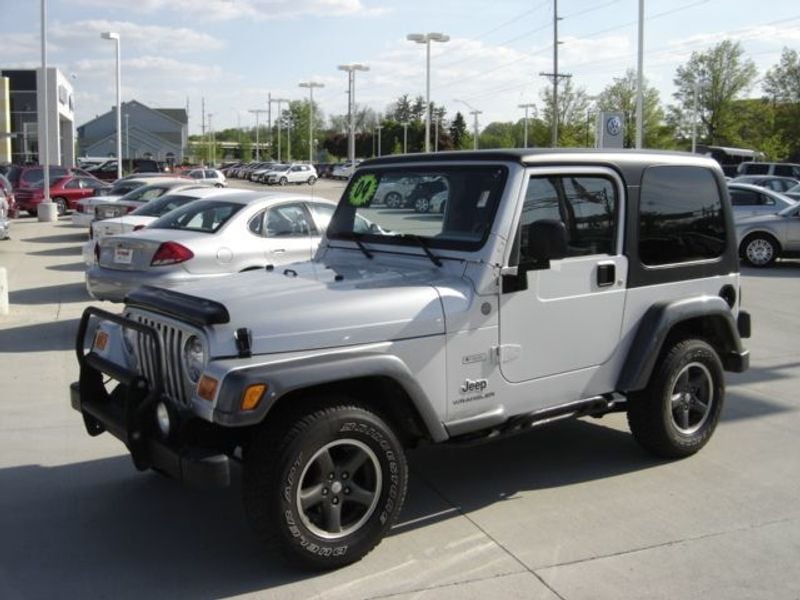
[
  {"x": 744, "y": 198},
  {"x": 287, "y": 220},
  {"x": 587, "y": 204},
  {"x": 256, "y": 224},
  {"x": 680, "y": 216},
  {"x": 75, "y": 184},
  {"x": 210, "y": 174},
  {"x": 322, "y": 215}
]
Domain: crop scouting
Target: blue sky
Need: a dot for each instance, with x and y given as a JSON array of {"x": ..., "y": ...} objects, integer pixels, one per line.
[{"x": 235, "y": 52}]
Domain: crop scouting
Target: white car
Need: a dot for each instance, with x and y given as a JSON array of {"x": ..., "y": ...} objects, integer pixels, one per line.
[
  {"x": 208, "y": 238},
  {"x": 295, "y": 173},
  {"x": 752, "y": 200},
  {"x": 141, "y": 188},
  {"x": 213, "y": 177},
  {"x": 143, "y": 216},
  {"x": 345, "y": 170}
]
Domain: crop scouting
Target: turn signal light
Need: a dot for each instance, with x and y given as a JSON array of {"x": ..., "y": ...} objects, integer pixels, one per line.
[
  {"x": 207, "y": 387},
  {"x": 171, "y": 253},
  {"x": 252, "y": 396}
]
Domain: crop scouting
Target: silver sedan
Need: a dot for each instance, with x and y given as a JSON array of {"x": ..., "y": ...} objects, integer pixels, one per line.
[
  {"x": 765, "y": 238},
  {"x": 228, "y": 233}
]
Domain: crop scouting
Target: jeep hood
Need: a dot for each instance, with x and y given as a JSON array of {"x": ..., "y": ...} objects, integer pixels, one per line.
[{"x": 308, "y": 306}]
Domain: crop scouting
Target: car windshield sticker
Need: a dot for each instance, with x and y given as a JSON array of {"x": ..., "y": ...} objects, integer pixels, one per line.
[{"x": 362, "y": 192}]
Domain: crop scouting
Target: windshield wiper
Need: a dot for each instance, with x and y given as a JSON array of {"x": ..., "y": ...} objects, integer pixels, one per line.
[
  {"x": 424, "y": 245},
  {"x": 354, "y": 237}
]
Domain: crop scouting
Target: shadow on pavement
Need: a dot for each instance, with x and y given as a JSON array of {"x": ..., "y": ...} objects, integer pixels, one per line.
[
  {"x": 58, "y": 239},
  {"x": 52, "y": 294},
  {"x": 61, "y": 251},
  {"x": 41, "y": 337},
  {"x": 78, "y": 267},
  {"x": 782, "y": 268}
]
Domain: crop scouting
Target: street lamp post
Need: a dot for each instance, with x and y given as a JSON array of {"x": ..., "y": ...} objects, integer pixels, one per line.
[
  {"x": 127, "y": 139},
  {"x": 436, "y": 134},
  {"x": 311, "y": 85},
  {"x": 699, "y": 82},
  {"x": 278, "y": 101},
  {"x": 378, "y": 128},
  {"x": 525, "y": 134},
  {"x": 427, "y": 38},
  {"x": 351, "y": 105},
  {"x": 405, "y": 137},
  {"x": 475, "y": 114},
  {"x": 256, "y": 112},
  {"x": 42, "y": 118},
  {"x": 111, "y": 35},
  {"x": 289, "y": 138}
]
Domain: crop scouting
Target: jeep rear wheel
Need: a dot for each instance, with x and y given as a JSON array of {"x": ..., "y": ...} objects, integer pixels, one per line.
[
  {"x": 327, "y": 492},
  {"x": 678, "y": 411}
]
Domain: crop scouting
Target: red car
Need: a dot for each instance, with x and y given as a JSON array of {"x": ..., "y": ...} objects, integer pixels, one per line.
[{"x": 64, "y": 192}]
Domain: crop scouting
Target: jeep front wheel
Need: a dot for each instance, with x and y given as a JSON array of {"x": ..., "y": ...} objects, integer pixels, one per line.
[
  {"x": 678, "y": 411},
  {"x": 328, "y": 492}
]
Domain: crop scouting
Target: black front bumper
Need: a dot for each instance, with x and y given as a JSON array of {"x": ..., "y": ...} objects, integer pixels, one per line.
[{"x": 128, "y": 413}]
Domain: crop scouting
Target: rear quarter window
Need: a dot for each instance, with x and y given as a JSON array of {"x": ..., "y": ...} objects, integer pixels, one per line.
[{"x": 681, "y": 217}]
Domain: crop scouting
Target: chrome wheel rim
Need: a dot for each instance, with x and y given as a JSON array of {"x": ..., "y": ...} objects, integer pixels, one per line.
[
  {"x": 692, "y": 398},
  {"x": 760, "y": 251},
  {"x": 339, "y": 489}
]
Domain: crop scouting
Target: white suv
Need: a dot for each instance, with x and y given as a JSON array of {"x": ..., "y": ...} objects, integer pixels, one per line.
[
  {"x": 553, "y": 285},
  {"x": 294, "y": 173}
]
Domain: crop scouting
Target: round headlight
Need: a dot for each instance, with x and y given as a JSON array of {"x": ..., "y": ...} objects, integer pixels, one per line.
[
  {"x": 162, "y": 419},
  {"x": 194, "y": 358}
]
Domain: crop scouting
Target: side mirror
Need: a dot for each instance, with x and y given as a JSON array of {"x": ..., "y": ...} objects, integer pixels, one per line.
[
  {"x": 538, "y": 243},
  {"x": 543, "y": 241}
]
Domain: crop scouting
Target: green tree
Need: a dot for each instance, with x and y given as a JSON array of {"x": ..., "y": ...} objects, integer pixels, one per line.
[
  {"x": 782, "y": 85},
  {"x": 498, "y": 135},
  {"x": 718, "y": 76},
  {"x": 458, "y": 132},
  {"x": 571, "y": 113},
  {"x": 620, "y": 96}
]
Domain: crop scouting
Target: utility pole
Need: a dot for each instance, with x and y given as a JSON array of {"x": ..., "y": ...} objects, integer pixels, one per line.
[
  {"x": 640, "y": 80},
  {"x": 256, "y": 112},
  {"x": 555, "y": 76},
  {"x": 475, "y": 114},
  {"x": 378, "y": 127}
]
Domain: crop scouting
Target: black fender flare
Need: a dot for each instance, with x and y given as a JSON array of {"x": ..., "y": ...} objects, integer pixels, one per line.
[
  {"x": 661, "y": 318},
  {"x": 285, "y": 377}
]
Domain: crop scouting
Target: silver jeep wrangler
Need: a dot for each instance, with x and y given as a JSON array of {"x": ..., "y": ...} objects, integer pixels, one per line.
[{"x": 548, "y": 284}]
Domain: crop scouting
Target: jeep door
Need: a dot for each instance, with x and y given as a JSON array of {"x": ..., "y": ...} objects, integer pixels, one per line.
[{"x": 566, "y": 317}]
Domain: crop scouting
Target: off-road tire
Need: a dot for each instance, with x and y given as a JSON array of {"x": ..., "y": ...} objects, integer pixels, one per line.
[
  {"x": 678, "y": 411},
  {"x": 290, "y": 455},
  {"x": 759, "y": 250}
]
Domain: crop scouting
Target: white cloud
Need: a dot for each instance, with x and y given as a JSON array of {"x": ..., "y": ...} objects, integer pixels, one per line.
[
  {"x": 139, "y": 37},
  {"x": 226, "y": 10}
]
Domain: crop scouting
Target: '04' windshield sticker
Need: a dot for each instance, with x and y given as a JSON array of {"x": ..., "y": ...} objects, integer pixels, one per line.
[{"x": 362, "y": 192}]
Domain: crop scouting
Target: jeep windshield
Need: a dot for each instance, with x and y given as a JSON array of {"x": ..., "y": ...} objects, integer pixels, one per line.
[{"x": 443, "y": 207}]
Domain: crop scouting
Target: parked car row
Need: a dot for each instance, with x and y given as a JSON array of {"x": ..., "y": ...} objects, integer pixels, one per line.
[{"x": 274, "y": 173}]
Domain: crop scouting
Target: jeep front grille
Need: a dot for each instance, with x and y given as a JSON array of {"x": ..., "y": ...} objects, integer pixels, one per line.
[{"x": 171, "y": 339}]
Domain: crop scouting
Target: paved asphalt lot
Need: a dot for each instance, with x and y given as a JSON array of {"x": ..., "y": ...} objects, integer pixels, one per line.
[{"x": 573, "y": 511}]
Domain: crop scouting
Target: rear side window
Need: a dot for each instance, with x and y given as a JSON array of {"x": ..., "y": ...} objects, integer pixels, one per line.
[
  {"x": 749, "y": 198},
  {"x": 755, "y": 168},
  {"x": 680, "y": 216}
]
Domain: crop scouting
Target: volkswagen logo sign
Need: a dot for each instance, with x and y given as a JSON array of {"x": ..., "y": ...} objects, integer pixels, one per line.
[{"x": 614, "y": 125}]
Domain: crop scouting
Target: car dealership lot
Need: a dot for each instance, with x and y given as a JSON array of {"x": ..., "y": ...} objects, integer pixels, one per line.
[{"x": 573, "y": 510}]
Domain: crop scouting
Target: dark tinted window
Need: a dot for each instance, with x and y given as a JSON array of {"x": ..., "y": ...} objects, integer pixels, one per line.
[
  {"x": 755, "y": 168},
  {"x": 749, "y": 198},
  {"x": 586, "y": 205},
  {"x": 680, "y": 216},
  {"x": 787, "y": 170}
]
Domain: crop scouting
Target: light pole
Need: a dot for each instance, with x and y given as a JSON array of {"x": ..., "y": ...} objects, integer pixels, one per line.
[
  {"x": 535, "y": 112},
  {"x": 311, "y": 85},
  {"x": 427, "y": 38},
  {"x": 289, "y": 138},
  {"x": 351, "y": 105},
  {"x": 474, "y": 112},
  {"x": 378, "y": 128},
  {"x": 278, "y": 101},
  {"x": 256, "y": 112},
  {"x": 210, "y": 142},
  {"x": 405, "y": 137},
  {"x": 42, "y": 118},
  {"x": 436, "y": 134},
  {"x": 127, "y": 139},
  {"x": 112, "y": 35},
  {"x": 699, "y": 82}
]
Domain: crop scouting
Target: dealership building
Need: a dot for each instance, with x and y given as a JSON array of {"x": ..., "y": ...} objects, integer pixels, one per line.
[{"x": 21, "y": 103}]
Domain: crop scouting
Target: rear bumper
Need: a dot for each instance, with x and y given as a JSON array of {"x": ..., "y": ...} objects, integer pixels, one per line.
[
  {"x": 114, "y": 285},
  {"x": 128, "y": 413},
  {"x": 83, "y": 219}
]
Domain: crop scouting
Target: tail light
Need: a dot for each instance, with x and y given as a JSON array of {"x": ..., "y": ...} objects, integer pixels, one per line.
[{"x": 171, "y": 253}]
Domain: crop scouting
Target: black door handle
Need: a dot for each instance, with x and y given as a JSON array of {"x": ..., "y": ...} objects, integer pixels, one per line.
[{"x": 606, "y": 274}]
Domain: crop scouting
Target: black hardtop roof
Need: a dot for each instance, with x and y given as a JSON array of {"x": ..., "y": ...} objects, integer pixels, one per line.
[{"x": 624, "y": 159}]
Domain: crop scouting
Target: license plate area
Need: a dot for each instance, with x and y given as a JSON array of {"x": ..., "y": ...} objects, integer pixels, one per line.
[{"x": 123, "y": 256}]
